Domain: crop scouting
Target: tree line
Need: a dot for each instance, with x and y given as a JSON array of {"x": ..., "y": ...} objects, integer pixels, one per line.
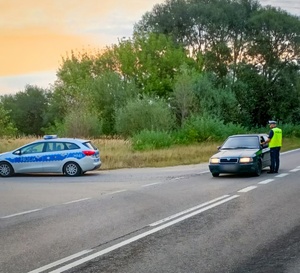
[{"x": 231, "y": 61}]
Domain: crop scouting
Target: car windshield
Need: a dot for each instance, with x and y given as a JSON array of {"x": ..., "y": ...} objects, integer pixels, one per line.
[{"x": 241, "y": 142}]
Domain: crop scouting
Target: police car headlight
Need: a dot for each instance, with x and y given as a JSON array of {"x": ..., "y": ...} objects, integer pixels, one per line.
[
  {"x": 214, "y": 160},
  {"x": 246, "y": 159}
]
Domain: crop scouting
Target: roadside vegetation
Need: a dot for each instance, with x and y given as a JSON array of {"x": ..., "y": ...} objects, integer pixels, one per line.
[{"x": 193, "y": 73}]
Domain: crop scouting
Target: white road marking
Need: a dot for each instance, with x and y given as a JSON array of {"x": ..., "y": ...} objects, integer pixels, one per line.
[
  {"x": 178, "y": 178},
  {"x": 266, "y": 181},
  {"x": 295, "y": 170},
  {"x": 76, "y": 201},
  {"x": 282, "y": 175},
  {"x": 152, "y": 184},
  {"x": 186, "y": 211},
  {"x": 140, "y": 236},
  {"x": 41, "y": 269},
  {"x": 248, "y": 189},
  {"x": 114, "y": 192},
  {"x": 20, "y": 213}
]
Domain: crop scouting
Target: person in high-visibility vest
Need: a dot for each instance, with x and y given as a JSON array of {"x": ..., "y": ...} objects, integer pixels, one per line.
[{"x": 275, "y": 143}]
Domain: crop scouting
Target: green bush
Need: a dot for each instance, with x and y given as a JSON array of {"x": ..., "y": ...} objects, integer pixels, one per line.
[
  {"x": 205, "y": 128},
  {"x": 77, "y": 124},
  {"x": 151, "y": 140},
  {"x": 144, "y": 114},
  {"x": 288, "y": 130}
]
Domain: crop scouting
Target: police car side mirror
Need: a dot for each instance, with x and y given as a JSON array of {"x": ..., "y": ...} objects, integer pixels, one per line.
[{"x": 18, "y": 152}]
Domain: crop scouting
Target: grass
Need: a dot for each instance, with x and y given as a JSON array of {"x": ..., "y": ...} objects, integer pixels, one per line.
[{"x": 118, "y": 153}]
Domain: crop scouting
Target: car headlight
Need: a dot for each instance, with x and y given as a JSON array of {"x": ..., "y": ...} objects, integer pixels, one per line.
[
  {"x": 214, "y": 160},
  {"x": 246, "y": 159}
]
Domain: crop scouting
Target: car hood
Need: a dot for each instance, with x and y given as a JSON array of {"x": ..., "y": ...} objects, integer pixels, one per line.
[
  {"x": 237, "y": 153},
  {"x": 4, "y": 154}
]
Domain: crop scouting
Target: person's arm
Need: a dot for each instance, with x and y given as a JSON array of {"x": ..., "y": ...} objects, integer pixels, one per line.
[{"x": 269, "y": 138}]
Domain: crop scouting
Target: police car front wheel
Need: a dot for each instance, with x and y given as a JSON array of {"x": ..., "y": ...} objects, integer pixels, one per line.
[
  {"x": 72, "y": 169},
  {"x": 6, "y": 169}
]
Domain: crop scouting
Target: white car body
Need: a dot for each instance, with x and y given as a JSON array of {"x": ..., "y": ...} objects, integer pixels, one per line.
[{"x": 51, "y": 155}]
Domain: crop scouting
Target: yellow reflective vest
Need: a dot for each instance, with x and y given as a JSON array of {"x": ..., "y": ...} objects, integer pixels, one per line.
[{"x": 276, "y": 140}]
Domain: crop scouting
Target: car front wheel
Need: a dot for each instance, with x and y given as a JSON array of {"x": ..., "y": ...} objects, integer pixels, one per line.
[
  {"x": 72, "y": 169},
  {"x": 258, "y": 169},
  {"x": 215, "y": 174},
  {"x": 6, "y": 169}
]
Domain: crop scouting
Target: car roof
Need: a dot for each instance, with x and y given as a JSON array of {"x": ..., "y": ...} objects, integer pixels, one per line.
[
  {"x": 247, "y": 135},
  {"x": 62, "y": 139}
]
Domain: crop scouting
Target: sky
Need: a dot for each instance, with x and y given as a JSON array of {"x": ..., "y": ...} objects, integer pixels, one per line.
[{"x": 36, "y": 34}]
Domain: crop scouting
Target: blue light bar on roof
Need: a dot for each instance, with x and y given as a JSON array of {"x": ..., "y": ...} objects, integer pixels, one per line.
[{"x": 50, "y": 136}]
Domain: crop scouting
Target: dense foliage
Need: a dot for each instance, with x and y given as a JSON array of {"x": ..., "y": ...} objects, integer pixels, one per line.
[{"x": 193, "y": 70}]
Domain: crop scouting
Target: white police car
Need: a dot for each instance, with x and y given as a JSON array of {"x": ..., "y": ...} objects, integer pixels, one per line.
[{"x": 69, "y": 156}]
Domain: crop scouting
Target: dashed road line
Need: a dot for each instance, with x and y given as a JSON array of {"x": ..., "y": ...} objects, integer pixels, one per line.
[
  {"x": 114, "y": 192},
  {"x": 187, "y": 211},
  {"x": 282, "y": 175},
  {"x": 267, "y": 181},
  {"x": 20, "y": 213},
  {"x": 76, "y": 201},
  {"x": 250, "y": 188},
  {"x": 152, "y": 184},
  {"x": 295, "y": 170}
]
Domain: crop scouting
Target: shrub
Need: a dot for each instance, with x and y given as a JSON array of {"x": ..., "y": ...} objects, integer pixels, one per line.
[
  {"x": 144, "y": 114},
  {"x": 206, "y": 128},
  {"x": 151, "y": 140}
]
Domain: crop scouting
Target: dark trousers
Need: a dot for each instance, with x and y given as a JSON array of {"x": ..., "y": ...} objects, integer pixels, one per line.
[{"x": 274, "y": 153}]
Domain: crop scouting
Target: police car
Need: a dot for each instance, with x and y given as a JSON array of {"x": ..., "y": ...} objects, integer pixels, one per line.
[{"x": 69, "y": 156}]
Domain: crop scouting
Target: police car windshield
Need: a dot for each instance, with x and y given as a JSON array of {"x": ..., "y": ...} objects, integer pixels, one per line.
[{"x": 242, "y": 142}]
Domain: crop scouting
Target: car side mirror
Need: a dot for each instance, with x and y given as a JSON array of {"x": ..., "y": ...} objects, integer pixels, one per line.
[
  {"x": 18, "y": 152},
  {"x": 219, "y": 147}
]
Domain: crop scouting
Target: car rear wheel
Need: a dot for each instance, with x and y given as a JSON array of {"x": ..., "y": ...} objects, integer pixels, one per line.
[
  {"x": 72, "y": 169},
  {"x": 258, "y": 169},
  {"x": 6, "y": 169},
  {"x": 215, "y": 174}
]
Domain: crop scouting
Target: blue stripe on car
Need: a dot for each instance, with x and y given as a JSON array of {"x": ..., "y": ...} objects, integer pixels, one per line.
[{"x": 45, "y": 157}]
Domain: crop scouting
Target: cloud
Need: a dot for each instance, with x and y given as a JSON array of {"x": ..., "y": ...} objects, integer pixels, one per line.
[
  {"x": 36, "y": 34},
  {"x": 14, "y": 84}
]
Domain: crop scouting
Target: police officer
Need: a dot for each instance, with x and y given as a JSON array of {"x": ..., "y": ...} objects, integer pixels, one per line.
[{"x": 275, "y": 143}]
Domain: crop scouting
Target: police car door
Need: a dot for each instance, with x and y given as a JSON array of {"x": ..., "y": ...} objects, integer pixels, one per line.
[
  {"x": 54, "y": 156},
  {"x": 30, "y": 159}
]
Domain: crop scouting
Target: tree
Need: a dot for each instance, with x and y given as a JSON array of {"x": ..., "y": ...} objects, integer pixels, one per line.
[
  {"x": 108, "y": 93},
  {"x": 28, "y": 109},
  {"x": 6, "y": 126},
  {"x": 151, "y": 61},
  {"x": 183, "y": 98}
]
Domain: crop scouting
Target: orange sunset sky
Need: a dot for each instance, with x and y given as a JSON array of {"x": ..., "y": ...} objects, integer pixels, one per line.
[{"x": 35, "y": 34}]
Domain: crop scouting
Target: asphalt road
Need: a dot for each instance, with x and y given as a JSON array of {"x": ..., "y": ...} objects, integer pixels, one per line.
[{"x": 177, "y": 219}]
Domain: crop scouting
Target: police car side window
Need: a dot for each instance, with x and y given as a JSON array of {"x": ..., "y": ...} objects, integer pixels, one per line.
[
  {"x": 33, "y": 148},
  {"x": 58, "y": 146},
  {"x": 71, "y": 146}
]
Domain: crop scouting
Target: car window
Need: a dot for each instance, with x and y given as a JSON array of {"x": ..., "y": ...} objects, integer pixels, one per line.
[
  {"x": 89, "y": 145},
  {"x": 72, "y": 146},
  {"x": 55, "y": 146},
  {"x": 241, "y": 143},
  {"x": 33, "y": 148}
]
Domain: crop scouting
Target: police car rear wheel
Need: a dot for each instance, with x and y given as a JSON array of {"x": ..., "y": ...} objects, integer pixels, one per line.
[
  {"x": 72, "y": 169},
  {"x": 6, "y": 169}
]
